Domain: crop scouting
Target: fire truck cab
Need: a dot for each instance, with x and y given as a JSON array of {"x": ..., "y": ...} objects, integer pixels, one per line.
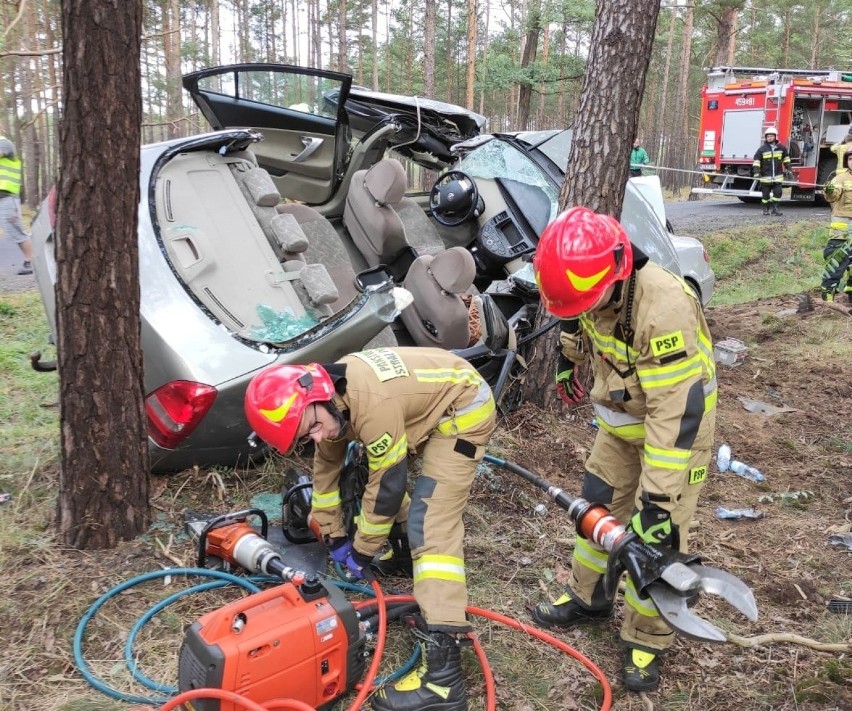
[{"x": 812, "y": 109}]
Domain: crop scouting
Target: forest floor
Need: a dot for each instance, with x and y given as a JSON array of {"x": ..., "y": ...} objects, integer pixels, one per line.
[{"x": 798, "y": 370}]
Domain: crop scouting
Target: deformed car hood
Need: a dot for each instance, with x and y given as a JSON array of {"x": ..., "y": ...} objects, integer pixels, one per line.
[{"x": 434, "y": 127}]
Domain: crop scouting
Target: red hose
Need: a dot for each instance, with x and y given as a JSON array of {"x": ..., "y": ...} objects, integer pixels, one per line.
[
  {"x": 534, "y": 632},
  {"x": 367, "y": 684},
  {"x": 223, "y": 696}
]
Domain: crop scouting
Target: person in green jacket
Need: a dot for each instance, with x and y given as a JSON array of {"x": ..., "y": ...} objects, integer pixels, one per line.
[{"x": 638, "y": 158}]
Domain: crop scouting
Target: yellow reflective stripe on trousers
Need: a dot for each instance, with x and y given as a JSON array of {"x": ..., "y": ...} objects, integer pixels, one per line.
[
  {"x": 372, "y": 529},
  {"x": 839, "y": 225},
  {"x": 643, "y": 607},
  {"x": 439, "y": 567},
  {"x": 590, "y": 557},
  {"x": 328, "y": 500},
  {"x": 666, "y": 458},
  {"x": 671, "y": 374},
  {"x": 470, "y": 416},
  {"x": 387, "y": 459},
  {"x": 619, "y": 424}
]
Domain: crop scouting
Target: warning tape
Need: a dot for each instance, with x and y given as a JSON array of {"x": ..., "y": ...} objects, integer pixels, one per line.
[{"x": 707, "y": 175}]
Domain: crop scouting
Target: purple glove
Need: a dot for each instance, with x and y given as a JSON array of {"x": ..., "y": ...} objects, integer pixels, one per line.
[
  {"x": 358, "y": 565},
  {"x": 339, "y": 549}
]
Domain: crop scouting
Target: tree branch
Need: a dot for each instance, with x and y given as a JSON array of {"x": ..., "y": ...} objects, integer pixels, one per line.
[
  {"x": 31, "y": 52},
  {"x": 788, "y": 638}
]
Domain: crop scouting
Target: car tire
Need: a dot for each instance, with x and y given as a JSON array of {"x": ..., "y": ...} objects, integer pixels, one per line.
[{"x": 696, "y": 289}]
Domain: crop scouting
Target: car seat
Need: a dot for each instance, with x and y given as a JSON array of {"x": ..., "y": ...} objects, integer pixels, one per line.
[
  {"x": 369, "y": 214},
  {"x": 438, "y": 317}
]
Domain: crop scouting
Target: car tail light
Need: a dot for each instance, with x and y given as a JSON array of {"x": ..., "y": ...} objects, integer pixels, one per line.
[
  {"x": 175, "y": 409},
  {"x": 706, "y": 256}
]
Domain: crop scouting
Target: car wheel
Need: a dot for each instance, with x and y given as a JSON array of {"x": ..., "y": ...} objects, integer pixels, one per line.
[{"x": 696, "y": 290}]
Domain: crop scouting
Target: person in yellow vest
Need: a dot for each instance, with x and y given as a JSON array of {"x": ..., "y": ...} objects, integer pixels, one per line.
[
  {"x": 654, "y": 395},
  {"x": 842, "y": 148},
  {"x": 11, "y": 180},
  {"x": 397, "y": 402},
  {"x": 838, "y": 249}
]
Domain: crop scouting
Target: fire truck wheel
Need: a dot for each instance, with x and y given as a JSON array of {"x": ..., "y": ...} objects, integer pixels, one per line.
[
  {"x": 827, "y": 167},
  {"x": 749, "y": 200}
]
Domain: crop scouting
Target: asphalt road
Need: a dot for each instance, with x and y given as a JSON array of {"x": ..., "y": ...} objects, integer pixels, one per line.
[
  {"x": 694, "y": 218},
  {"x": 11, "y": 259}
]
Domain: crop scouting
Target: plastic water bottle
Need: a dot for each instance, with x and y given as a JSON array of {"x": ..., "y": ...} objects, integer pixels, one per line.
[
  {"x": 723, "y": 458},
  {"x": 736, "y": 514},
  {"x": 744, "y": 470}
]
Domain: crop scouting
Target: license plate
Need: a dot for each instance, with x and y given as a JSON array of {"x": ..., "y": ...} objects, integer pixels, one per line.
[{"x": 799, "y": 194}]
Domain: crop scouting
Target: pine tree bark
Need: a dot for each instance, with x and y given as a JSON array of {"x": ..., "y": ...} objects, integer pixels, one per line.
[
  {"x": 103, "y": 483},
  {"x": 429, "y": 49},
  {"x": 470, "y": 77},
  {"x": 606, "y": 121},
  {"x": 527, "y": 60}
]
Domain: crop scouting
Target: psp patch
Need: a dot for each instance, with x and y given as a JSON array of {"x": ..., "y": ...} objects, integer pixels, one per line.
[
  {"x": 386, "y": 364},
  {"x": 697, "y": 475},
  {"x": 381, "y": 445},
  {"x": 669, "y": 343}
]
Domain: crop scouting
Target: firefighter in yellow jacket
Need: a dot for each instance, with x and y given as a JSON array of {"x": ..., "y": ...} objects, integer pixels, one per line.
[
  {"x": 654, "y": 396},
  {"x": 397, "y": 402},
  {"x": 838, "y": 249}
]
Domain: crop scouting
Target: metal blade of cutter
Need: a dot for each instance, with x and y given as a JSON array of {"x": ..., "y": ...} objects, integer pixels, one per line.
[{"x": 673, "y": 609}]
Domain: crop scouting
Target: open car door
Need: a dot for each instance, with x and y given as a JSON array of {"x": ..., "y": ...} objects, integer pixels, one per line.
[{"x": 306, "y": 141}]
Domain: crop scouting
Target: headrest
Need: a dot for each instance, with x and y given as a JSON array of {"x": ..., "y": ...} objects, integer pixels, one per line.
[
  {"x": 453, "y": 269},
  {"x": 385, "y": 181}
]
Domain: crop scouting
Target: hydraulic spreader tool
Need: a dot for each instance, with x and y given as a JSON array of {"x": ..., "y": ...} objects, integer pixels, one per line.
[{"x": 669, "y": 578}]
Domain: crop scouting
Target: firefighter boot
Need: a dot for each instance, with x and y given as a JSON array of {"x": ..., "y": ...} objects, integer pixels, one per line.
[
  {"x": 396, "y": 560},
  {"x": 765, "y": 209},
  {"x": 437, "y": 685},
  {"x": 775, "y": 211},
  {"x": 641, "y": 670},
  {"x": 827, "y": 294},
  {"x": 567, "y": 612}
]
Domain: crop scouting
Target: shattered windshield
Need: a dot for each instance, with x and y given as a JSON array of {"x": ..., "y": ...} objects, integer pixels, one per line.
[{"x": 497, "y": 159}]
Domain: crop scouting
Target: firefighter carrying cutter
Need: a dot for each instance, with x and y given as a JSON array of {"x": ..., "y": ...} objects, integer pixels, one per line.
[{"x": 668, "y": 577}]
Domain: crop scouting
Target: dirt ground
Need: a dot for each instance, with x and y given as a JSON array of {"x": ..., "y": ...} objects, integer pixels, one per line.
[
  {"x": 518, "y": 557},
  {"x": 786, "y": 557}
]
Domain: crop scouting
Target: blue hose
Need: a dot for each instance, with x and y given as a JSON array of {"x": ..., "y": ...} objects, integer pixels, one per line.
[{"x": 96, "y": 683}]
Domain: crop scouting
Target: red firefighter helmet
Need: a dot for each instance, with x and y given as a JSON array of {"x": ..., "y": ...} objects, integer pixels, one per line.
[
  {"x": 579, "y": 256},
  {"x": 277, "y": 397}
]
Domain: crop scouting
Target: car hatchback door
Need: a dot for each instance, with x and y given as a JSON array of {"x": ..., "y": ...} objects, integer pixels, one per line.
[{"x": 306, "y": 139}]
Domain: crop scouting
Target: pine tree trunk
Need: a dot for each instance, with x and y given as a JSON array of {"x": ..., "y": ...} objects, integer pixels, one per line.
[
  {"x": 470, "y": 76},
  {"x": 103, "y": 483},
  {"x": 527, "y": 60},
  {"x": 429, "y": 49},
  {"x": 375, "y": 29},
  {"x": 606, "y": 121}
]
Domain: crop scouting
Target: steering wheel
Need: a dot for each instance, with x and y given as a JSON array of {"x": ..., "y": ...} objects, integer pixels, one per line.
[{"x": 454, "y": 198}]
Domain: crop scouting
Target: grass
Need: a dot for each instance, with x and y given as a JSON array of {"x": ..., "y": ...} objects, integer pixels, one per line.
[
  {"x": 29, "y": 412},
  {"x": 521, "y": 557},
  {"x": 755, "y": 262}
]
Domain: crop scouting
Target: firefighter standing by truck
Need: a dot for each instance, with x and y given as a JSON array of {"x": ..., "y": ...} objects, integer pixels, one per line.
[
  {"x": 654, "y": 396},
  {"x": 838, "y": 249},
  {"x": 771, "y": 162},
  {"x": 396, "y": 401}
]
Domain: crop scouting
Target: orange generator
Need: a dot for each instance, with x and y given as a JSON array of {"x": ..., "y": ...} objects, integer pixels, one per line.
[
  {"x": 289, "y": 642},
  {"x": 811, "y": 108}
]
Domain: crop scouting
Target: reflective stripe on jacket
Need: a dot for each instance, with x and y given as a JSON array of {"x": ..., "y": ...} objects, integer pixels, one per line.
[
  {"x": 396, "y": 399},
  {"x": 656, "y": 389},
  {"x": 771, "y": 160},
  {"x": 10, "y": 175},
  {"x": 841, "y": 200}
]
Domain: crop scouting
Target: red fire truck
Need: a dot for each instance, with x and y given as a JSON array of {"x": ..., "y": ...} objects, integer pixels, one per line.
[{"x": 811, "y": 108}]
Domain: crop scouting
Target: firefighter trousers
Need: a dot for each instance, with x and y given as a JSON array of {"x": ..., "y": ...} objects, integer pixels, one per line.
[
  {"x": 434, "y": 520},
  {"x": 612, "y": 478},
  {"x": 771, "y": 191}
]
